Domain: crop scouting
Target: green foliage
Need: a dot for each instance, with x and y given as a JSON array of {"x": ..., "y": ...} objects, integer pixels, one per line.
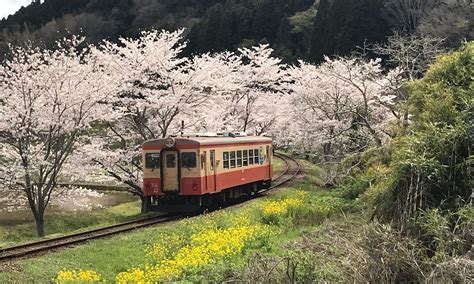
[
  {"x": 427, "y": 166},
  {"x": 446, "y": 234},
  {"x": 422, "y": 181},
  {"x": 303, "y": 21},
  {"x": 343, "y": 250}
]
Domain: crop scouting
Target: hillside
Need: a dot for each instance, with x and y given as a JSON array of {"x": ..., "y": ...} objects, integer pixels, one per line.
[
  {"x": 208, "y": 22},
  {"x": 305, "y": 29}
]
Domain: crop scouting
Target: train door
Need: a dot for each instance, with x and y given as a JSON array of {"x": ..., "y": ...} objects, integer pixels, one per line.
[
  {"x": 270, "y": 161},
  {"x": 205, "y": 167},
  {"x": 170, "y": 176},
  {"x": 212, "y": 171}
]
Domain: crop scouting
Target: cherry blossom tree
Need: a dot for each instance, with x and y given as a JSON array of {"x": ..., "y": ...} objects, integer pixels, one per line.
[
  {"x": 48, "y": 100},
  {"x": 158, "y": 90},
  {"x": 259, "y": 82},
  {"x": 342, "y": 98}
]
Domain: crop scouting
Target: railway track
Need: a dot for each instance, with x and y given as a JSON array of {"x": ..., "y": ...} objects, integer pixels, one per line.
[
  {"x": 42, "y": 246},
  {"x": 292, "y": 168}
]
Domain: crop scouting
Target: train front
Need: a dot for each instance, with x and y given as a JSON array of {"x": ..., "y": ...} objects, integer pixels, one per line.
[{"x": 171, "y": 176}]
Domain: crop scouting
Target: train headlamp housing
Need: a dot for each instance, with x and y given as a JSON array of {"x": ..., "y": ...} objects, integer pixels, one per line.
[{"x": 170, "y": 142}]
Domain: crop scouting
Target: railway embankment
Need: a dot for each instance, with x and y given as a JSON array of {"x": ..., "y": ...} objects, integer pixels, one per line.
[
  {"x": 300, "y": 233},
  {"x": 215, "y": 246}
]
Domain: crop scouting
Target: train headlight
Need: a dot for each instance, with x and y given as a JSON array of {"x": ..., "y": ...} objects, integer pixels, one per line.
[{"x": 170, "y": 142}]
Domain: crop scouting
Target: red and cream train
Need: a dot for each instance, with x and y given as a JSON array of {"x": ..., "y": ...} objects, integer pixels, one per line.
[{"x": 188, "y": 172}]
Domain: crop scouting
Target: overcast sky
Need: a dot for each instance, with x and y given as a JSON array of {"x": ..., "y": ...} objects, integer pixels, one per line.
[{"x": 8, "y": 7}]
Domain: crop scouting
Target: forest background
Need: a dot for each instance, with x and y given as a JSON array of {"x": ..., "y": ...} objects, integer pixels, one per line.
[{"x": 295, "y": 29}]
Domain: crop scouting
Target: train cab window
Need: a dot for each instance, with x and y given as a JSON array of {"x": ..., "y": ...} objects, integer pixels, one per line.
[
  {"x": 255, "y": 153},
  {"x": 232, "y": 159},
  {"x": 152, "y": 160},
  {"x": 225, "y": 159},
  {"x": 170, "y": 161},
  {"x": 250, "y": 157},
  {"x": 245, "y": 159},
  {"x": 239, "y": 159},
  {"x": 188, "y": 160}
]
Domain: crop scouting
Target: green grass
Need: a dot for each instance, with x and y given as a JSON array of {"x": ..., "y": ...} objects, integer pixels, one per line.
[
  {"x": 57, "y": 224},
  {"x": 278, "y": 164},
  {"x": 112, "y": 256}
]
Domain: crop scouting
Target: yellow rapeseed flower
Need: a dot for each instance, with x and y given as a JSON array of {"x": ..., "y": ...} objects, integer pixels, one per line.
[
  {"x": 66, "y": 276},
  {"x": 204, "y": 248},
  {"x": 281, "y": 207}
]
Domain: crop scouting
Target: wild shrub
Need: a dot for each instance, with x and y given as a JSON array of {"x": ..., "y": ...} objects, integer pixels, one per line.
[
  {"x": 428, "y": 163},
  {"x": 446, "y": 235},
  {"x": 349, "y": 251}
]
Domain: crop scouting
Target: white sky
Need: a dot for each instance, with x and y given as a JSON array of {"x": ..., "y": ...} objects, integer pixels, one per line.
[{"x": 8, "y": 7}]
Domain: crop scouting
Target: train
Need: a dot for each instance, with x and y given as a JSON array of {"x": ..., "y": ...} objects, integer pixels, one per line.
[{"x": 195, "y": 171}]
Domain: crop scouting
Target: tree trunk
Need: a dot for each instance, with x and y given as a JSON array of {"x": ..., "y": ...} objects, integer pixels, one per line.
[
  {"x": 145, "y": 206},
  {"x": 39, "y": 220}
]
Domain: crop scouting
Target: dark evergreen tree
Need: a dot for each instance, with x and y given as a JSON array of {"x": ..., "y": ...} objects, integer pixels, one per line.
[{"x": 342, "y": 25}]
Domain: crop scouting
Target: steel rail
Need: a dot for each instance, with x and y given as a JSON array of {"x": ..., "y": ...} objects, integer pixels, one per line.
[{"x": 42, "y": 246}]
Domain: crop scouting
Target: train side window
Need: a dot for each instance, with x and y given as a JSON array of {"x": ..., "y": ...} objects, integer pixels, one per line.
[
  {"x": 232, "y": 159},
  {"x": 152, "y": 160},
  {"x": 225, "y": 159},
  {"x": 239, "y": 159},
  {"x": 255, "y": 153},
  {"x": 245, "y": 159},
  {"x": 250, "y": 157},
  {"x": 188, "y": 160}
]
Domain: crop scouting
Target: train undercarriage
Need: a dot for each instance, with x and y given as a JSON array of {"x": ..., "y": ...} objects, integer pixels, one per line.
[{"x": 174, "y": 203}]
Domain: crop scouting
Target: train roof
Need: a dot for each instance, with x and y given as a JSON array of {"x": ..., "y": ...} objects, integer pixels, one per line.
[{"x": 196, "y": 142}]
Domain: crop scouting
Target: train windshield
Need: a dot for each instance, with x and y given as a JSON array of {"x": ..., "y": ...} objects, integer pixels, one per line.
[
  {"x": 152, "y": 160},
  {"x": 188, "y": 160}
]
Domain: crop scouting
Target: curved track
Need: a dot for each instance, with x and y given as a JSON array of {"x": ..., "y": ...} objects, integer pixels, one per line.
[{"x": 292, "y": 168}]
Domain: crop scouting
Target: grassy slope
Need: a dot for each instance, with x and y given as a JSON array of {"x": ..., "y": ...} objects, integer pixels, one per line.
[
  {"x": 127, "y": 251},
  {"x": 57, "y": 224}
]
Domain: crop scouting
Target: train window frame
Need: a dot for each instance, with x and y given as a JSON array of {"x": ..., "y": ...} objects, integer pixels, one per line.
[
  {"x": 232, "y": 159},
  {"x": 251, "y": 157},
  {"x": 245, "y": 158},
  {"x": 256, "y": 154},
  {"x": 188, "y": 160},
  {"x": 239, "y": 159},
  {"x": 147, "y": 161},
  {"x": 225, "y": 159}
]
